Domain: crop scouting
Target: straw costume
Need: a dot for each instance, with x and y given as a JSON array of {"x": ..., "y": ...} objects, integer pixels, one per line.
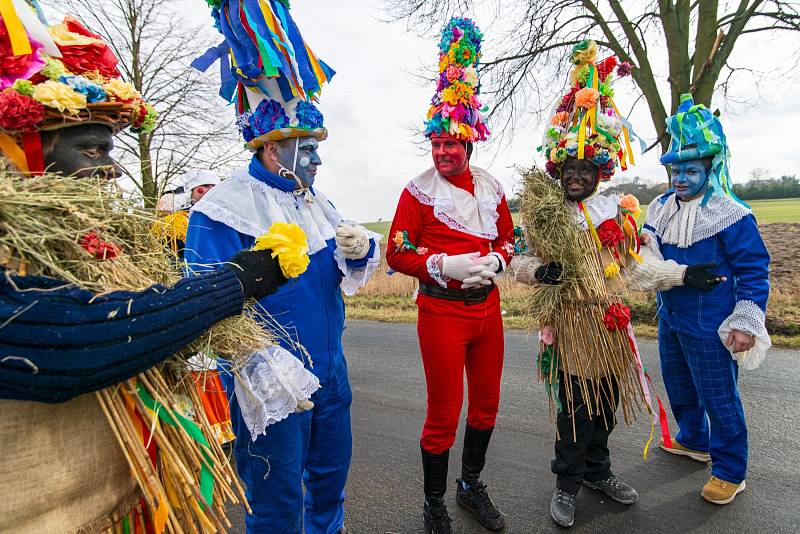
[
  {"x": 274, "y": 78},
  {"x": 453, "y": 232},
  {"x": 88, "y": 301},
  {"x": 581, "y": 244},
  {"x": 699, "y": 224}
]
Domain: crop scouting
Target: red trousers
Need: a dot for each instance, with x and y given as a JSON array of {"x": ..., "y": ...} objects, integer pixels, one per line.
[{"x": 454, "y": 337}]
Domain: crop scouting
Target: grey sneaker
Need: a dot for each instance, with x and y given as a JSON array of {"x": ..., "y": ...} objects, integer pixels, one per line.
[
  {"x": 615, "y": 488},
  {"x": 562, "y": 508}
]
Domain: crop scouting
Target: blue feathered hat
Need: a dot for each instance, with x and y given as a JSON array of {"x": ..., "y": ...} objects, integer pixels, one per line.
[{"x": 268, "y": 70}]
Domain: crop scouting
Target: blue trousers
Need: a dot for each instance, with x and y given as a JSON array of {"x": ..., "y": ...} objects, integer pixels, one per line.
[
  {"x": 700, "y": 377},
  {"x": 311, "y": 448}
]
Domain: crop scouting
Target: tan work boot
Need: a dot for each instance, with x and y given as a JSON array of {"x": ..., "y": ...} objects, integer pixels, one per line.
[
  {"x": 680, "y": 450},
  {"x": 720, "y": 491}
]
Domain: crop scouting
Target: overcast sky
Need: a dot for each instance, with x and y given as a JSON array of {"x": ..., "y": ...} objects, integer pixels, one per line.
[{"x": 373, "y": 104}]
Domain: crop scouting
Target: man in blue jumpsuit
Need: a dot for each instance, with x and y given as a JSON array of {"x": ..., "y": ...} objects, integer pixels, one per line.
[
  {"x": 707, "y": 330},
  {"x": 311, "y": 448}
]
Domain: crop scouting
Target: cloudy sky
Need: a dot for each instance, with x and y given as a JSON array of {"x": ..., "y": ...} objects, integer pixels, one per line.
[{"x": 375, "y": 102}]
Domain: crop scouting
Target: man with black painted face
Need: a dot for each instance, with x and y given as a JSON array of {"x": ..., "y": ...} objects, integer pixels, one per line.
[
  {"x": 711, "y": 315},
  {"x": 80, "y": 151}
]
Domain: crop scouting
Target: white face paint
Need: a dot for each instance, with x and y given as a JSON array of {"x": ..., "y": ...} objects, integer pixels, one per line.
[
  {"x": 301, "y": 157},
  {"x": 304, "y": 161}
]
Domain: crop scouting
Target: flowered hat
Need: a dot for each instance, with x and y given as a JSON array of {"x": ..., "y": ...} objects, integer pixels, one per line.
[
  {"x": 268, "y": 70},
  {"x": 697, "y": 134},
  {"x": 52, "y": 77},
  {"x": 586, "y": 123},
  {"x": 455, "y": 108}
]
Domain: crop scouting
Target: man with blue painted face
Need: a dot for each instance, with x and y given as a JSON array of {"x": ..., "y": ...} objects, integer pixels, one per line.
[
  {"x": 283, "y": 129},
  {"x": 711, "y": 308}
]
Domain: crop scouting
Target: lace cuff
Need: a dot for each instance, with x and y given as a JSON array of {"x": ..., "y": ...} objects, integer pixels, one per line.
[
  {"x": 523, "y": 269},
  {"x": 747, "y": 317},
  {"x": 433, "y": 269},
  {"x": 270, "y": 387},
  {"x": 357, "y": 277}
]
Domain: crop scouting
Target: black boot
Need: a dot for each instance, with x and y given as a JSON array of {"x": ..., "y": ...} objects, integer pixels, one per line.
[
  {"x": 434, "y": 467},
  {"x": 471, "y": 492}
]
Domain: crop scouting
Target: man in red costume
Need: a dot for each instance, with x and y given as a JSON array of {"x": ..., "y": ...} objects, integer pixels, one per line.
[{"x": 453, "y": 231}]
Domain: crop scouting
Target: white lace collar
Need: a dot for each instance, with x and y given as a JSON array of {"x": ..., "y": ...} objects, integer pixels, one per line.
[
  {"x": 600, "y": 207},
  {"x": 250, "y": 207},
  {"x": 471, "y": 214},
  {"x": 686, "y": 223}
]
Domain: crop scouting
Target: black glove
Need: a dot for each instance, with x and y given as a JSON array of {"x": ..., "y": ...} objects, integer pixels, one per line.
[
  {"x": 259, "y": 273},
  {"x": 549, "y": 273},
  {"x": 700, "y": 277}
]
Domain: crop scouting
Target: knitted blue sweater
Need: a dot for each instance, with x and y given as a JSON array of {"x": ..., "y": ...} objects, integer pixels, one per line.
[{"x": 58, "y": 341}]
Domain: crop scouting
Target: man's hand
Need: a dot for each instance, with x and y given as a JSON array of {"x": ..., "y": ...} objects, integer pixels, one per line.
[
  {"x": 259, "y": 273},
  {"x": 700, "y": 277},
  {"x": 739, "y": 341},
  {"x": 352, "y": 241},
  {"x": 549, "y": 273}
]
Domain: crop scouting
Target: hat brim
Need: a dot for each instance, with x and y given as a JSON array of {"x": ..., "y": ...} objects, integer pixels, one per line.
[
  {"x": 320, "y": 134},
  {"x": 690, "y": 154}
]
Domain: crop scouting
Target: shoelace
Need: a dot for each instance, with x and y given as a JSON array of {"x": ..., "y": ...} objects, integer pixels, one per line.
[
  {"x": 483, "y": 500},
  {"x": 566, "y": 498},
  {"x": 441, "y": 519}
]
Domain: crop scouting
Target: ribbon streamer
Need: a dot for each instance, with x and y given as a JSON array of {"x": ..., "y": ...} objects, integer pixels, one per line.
[{"x": 20, "y": 44}]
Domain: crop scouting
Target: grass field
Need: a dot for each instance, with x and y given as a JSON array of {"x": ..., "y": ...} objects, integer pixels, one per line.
[{"x": 766, "y": 211}]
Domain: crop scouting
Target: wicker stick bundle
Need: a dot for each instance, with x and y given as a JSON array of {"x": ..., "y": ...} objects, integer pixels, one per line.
[
  {"x": 86, "y": 233},
  {"x": 575, "y": 309}
]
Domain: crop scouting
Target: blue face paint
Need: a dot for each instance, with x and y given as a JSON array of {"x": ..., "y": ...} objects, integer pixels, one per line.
[
  {"x": 300, "y": 156},
  {"x": 689, "y": 178}
]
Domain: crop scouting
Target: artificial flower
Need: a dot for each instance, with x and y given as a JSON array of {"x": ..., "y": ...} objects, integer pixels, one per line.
[
  {"x": 606, "y": 67},
  {"x": 588, "y": 152},
  {"x": 53, "y": 69},
  {"x": 308, "y": 116},
  {"x": 567, "y": 99},
  {"x": 611, "y": 270},
  {"x": 458, "y": 93},
  {"x": 59, "y": 96},
  {"x": 23, "y": 87},
  {"x": 99, "y": 248},
  {"x": 606, "y": 90},
  {"x": 617, "y": 317},
  {"x": 584, "y": 52},
  {"x": 172, "y": 226},
  {"x": 422, "y": 250},
  {"x": 94, "y": 93},
  {"x": 586, "y": 98},
  {"x": 610, "y": 233},
  {"x": 19, "y": 112},
  {"x": 547, "y": 335},
  {"x": 398, "y": 239},
  {"x": 122, "y": 91},
  {"x": 631, "y": 204},
  {"x": 288, "y": 243},
  {"x": 453, "y": 73},
  {"x": 83, "y": 51},
  {"x": 560, "y": 118},
  {"x": 144, "y": 119},
  {"x": 471, "y": 76},
  {"x": 624, "y": 69},
  {"x": 13, "y": 68},
  {"x": 268, "y": 116}
]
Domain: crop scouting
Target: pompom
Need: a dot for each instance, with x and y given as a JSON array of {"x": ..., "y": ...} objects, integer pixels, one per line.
[
  {"x": 586, "y": 98},
  {"x": 308, "y": 116}
]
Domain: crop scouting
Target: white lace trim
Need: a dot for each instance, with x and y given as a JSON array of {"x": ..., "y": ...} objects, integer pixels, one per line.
[
  {"x": 748, "y": 317},
  {"x": 470, "y": 214},
  {"x": 433, "y": 269},
  {"x": 356, "y": 278},
  {"x": 686, "y": 223},
  {"x": 250, "y": 207},
  {"x": 601, "y": 208},
  {"x": 269, "y": 387}
]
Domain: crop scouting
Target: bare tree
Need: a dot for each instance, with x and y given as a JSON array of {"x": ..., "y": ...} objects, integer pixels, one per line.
[
  {"x": 696, "y": 37},
  {"x": 155, "y": 46}
]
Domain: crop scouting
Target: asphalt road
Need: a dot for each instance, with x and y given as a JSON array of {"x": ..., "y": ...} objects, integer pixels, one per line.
[{"x": 385, "y": 484}]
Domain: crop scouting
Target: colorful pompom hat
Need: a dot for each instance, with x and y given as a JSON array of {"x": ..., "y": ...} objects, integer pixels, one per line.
[
  {"x": 268, "y": 70},
  {"x": 697, "y": 134},
  {"x": 586, "y": 123},
  {"x": 57, "y": 76},
  {"x": 455, "y": 108}
]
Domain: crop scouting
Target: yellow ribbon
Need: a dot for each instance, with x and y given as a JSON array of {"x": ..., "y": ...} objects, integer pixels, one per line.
[
  {"x": 582, "y": 134},
  {"x": 649, "y": 441},
  {"x": 13, "y": 152},
  {"x": 20, "y": 44},
  {"x": 592, "y": 229}
]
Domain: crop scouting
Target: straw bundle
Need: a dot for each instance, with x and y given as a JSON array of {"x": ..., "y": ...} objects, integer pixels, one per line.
[
  {"x": 575, "y": 309},
  {"x": 86, "y": 233}
]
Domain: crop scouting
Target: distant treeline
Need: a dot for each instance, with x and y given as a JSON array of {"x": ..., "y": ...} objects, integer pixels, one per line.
[{"x": 783, "y": 187}]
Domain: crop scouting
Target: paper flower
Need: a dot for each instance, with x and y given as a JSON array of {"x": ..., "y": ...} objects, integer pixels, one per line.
[
  {"x": 308, "y": 116},
  {"x": 610, "y": 233},
  {"x": 14, "y": 67},
  {"x": 560, "y": 119},
  {"x": 584, "y": 52},
  {"x": 624, "y": 69},
  {"x": 611, "y": 270},
  {"x": 172, "y": 226},
  {"x": 586, "y": 98},
  {"x": 122, "y": 91},
  {"x": 398, "y": 239},
  {"x": 471, "y": 76},
  {"x": 547, "y": 335},
  {"x": 59, "y": 96},
  {"x": 53, "y": 69},
  {"x": 83, "y": 51},
  {"x": 99, "y": 248},
  {"x": 288, "y": 243},
  {"x": 23, "y": 87},
  {"x": 618, "y": 317},
  {"x": 631, "y": 204},
  {"x": 19, "y": 112},
  {"x": 268, "y": 116},
  {"x": 94, "y": 93}
]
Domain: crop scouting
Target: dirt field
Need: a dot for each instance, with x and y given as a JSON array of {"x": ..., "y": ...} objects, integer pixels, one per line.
[{"x": 783, "y": 242}]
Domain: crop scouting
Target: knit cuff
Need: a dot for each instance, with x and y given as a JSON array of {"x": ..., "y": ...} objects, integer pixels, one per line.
[
  {"x": 523, "y": 269},
  {"x": 226, "y": 291},
  {"x": 654, "y": 274}
]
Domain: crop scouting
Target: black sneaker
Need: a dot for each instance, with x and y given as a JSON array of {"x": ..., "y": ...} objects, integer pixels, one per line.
[
  {"x": 436, "y": 520},
  {"x": 562, "y": 508},
  {"x": 475, "y": 499},
  {"x": 615, "y": 488}
]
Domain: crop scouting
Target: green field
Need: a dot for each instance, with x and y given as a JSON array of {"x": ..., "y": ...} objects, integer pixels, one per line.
[{"x": 766, "y": 211}]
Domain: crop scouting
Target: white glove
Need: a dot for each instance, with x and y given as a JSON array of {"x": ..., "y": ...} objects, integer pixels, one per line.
[
  {"x": 352, "y": 241},
  {"x": 482, "y": 272},
  {"x": 458, "y": 267}
]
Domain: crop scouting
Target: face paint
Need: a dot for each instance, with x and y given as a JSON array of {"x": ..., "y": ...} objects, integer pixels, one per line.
[
  {"x": 689, "y": 178},
  {"x": 449, "y": 155},
  {"x": 80, "y": 151},
  {"x": 579, "y": 179},
  {"x": 300, "y": 156},
  {"x": 200, "y": 191}
]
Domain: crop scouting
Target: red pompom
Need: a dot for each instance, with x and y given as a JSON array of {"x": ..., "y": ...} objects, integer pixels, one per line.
[
  {"x": 99, "y": 248},
  {"x": 610, "y": 233},
  {"x": 88, "y": 57},
  {"x": 19, "y": 112},
  {"x": 617, "y": 317}
]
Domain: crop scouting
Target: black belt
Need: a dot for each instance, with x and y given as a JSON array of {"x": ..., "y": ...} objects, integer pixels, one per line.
[{"x": 467, "y": 296}]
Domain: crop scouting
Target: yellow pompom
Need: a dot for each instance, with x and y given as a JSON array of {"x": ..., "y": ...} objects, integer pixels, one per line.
[
  {"x": 612, "y": 270},
  {"x": 287, "y": 242}
]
